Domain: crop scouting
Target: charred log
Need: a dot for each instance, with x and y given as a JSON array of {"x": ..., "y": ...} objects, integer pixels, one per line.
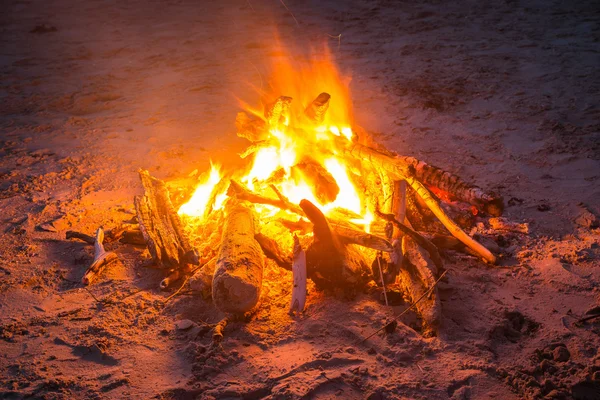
[
  {"x": 318, "y": 108},
  {"x": 330, "y": 263},
  {"x": 160, "y": 225},
  {"x": 433, "y": 176}
]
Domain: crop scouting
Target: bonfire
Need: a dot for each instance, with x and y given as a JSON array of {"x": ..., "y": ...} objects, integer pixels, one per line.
[{"x": 315, "y": 195}]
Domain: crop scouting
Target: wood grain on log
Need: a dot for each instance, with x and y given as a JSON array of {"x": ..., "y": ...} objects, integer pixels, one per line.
[
  {"x": 238, "y": 275},
  {"x": 160, "y": 225}
]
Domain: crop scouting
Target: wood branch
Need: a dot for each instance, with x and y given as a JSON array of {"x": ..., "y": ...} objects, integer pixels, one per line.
[
  {"x": 102, "y": 259},
  {"x": 239, "y": 191},
  {"x": 81, "y": 236},
  {"x": 273, "y": 251},
  {"x": 238, "y": 275},
  {"x": 417, "y": 277},
  {"x": 201, "y": 280},
  {"x": 161, "y": 227},
  {"x": 454, "y": 229},
  {"x": 317, "y": 109},
  {"x": 330, "y": 263},
  {"x": 433, "y": 176},
  {"x": 299, "y": 278},
  {"x": 325, "y": 186},
  {"x": 353, "y": 236},
  {"x": 418, "y": 238},
  {"x": 277, "y": 112},
  {"x": 253, "y": 129}
]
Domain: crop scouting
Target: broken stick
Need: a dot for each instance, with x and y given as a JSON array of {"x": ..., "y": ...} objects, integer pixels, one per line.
[{"x": 102, "y": 259}]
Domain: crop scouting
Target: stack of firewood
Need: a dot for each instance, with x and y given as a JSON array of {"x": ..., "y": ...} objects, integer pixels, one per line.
[{"x": 421, "y": 211}]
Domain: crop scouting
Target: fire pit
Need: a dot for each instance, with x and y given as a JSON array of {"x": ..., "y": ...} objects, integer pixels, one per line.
[{"x": 317, "y": 196}]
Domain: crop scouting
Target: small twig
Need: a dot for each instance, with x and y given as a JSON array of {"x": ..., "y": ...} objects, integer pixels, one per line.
[
  {"x": 177, "y": 291},
  {"x": 410, "y": 307},
  {"x": 93, "y": 296},
  {"x": 382, "y": 280}
]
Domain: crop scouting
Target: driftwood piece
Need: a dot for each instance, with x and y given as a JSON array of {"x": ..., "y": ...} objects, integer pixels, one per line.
[
  {"x": 253, "y": 129},
  {"x": 446, "y": 181},
  {"x": 317, "y": 109},
  {"x": 330, "y": 263},
  {"x": 161, "y": 227},
  {"x": 102, "y": 259},
  {"x": 299, "y": 278},
  {"x": 416, "y": 278},
  {"x": 238, "y": 275}
]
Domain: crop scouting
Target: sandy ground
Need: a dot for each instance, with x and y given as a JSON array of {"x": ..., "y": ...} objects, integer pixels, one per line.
[{"x": 506, "y": 94}]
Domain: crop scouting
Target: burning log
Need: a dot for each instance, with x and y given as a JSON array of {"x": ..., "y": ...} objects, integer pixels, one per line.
[
  {"x": 325, "y": 186},
  {"x": 330, "y": 263},
  {"x": 317, "y": 109},
  {"x": 277, "y": 112},
  {"x": 239, "y": 191},
  {"x": 253, "y": 129},
  {"x": 299, "y": 280},
  {"x": 160, "y": 225},
  {"x": 345, "y": 233},
  {"x": 472, "y": 194},
  {"x": 238, "y": 275},
  {"x": 102, "y": 259},
  {"x": 416, "y": 278}
]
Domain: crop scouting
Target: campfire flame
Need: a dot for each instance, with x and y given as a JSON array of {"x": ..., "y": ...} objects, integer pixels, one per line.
[{"x": 291, "y": 139}]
